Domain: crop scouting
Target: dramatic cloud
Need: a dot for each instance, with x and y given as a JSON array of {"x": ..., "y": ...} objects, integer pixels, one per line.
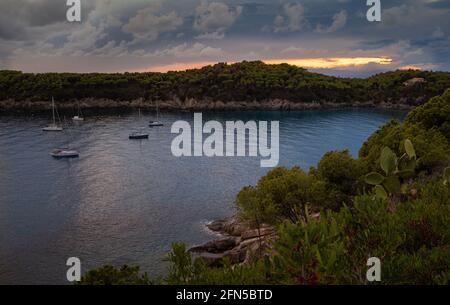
[
  {"x": 213, "y": 19},
  {"x": 147, "y": 24},
  {"x": 292, "y": 20},
  {"x": 141, "y": 35},
  {"x": 339, "y": 21}
]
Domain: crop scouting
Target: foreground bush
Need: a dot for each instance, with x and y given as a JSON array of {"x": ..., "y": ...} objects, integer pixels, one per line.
[
  {"x": 433, "y": 114},
  {"x": 109, "y": 275},
  {"x": 412, "y": 242}
]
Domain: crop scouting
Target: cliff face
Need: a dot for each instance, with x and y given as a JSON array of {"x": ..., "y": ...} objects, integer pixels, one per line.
[{"x": 192, "y": 105}]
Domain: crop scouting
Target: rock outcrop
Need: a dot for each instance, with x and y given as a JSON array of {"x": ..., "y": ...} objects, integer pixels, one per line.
[{"x": 241, "y": 242}]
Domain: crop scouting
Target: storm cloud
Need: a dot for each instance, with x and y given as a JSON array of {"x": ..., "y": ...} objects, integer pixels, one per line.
[{"x": 145, "y": 35}]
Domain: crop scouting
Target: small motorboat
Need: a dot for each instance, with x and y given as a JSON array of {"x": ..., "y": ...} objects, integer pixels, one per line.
[
  {"x": 64, "y": 153},
  {"x": 137, "y": 135},
  {"x": 155, "y": 124}
]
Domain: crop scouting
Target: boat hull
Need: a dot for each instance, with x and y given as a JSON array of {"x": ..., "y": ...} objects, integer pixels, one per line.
[
  {"x": 138, "y": 137},
  {"x": 52, "y": 128},
  {"x": 65, "y": 154},
  {"x": 155, "y": 124}
]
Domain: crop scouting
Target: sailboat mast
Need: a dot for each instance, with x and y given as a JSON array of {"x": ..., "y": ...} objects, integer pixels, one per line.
[
  {"x": 157, "y": 111},
  {"x": 53, "y": 111}
]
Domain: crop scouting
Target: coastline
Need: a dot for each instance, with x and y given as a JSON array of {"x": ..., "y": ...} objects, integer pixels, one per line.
[
  {"x": 238, "y": 240},
  {"x": 193, "y": 105}
]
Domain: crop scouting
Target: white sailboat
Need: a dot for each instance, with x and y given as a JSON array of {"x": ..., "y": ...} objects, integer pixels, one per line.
[
  {"x": 140, "y": 134},
  {"x": 53, "y": 126},
  {"x": 64, "y": 153},
  {"x": 79, "y": 117},
  {"x": 157, "y": 122}
]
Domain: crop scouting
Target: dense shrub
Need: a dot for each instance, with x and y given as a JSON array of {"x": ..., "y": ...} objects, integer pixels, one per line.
[
  {"x": 110, "y": 275},
  {"x": 412, "y": 243},
  {"x": 430, "y": 144},
  {"x": 186, "y": 271},
  {"x": 342, "y": 176},
  {"x": 433, "y": 114},
  {"x": 281, "y": 194}
]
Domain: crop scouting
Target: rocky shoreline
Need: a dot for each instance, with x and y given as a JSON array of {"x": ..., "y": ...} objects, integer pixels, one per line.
[
  {"x": 240, "y": 242},
  {"x": 194, "y": 105}
]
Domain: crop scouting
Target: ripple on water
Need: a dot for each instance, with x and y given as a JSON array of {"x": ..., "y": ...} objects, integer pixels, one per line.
[{"x": 126, "y": 202}]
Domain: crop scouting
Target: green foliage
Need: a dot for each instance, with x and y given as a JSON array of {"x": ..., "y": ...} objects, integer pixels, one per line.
[
  {"x": 412, "y": 243},
  {"x": 340, "y": 171},
  {"x": 426, "y": 126},
  {"x": 184, "y": 270},
  {"x": 224, "y": 82},
  {"x": 447, "y": 176},
  {"x": 284, "y": 193},
  {"x": 433, "y": 114},
  {"x": 429, "y": 144},
  {"x": 109, "y": 275},
  {"x": 281, "y": 194},
  {"x": 396, "y": 170}
]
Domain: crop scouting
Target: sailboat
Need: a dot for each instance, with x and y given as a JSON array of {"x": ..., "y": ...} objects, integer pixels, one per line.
[
  {"x": 157, "y": 122},
  {"x": 79, "y": 117},
  {"x": 53, "y": 126},
  {"x": 64, "y": 153},
  {"x": 138, "y": 135}
]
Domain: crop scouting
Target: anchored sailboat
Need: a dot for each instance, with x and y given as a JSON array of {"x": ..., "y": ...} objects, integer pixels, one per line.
[
  {"x": 53, "y": 126},
  {"x": 140, "y": 134},
  {"x": 157, "y": 122},
  {"x": 79, "y": 117},
  {"x": 64, "y": 153}
]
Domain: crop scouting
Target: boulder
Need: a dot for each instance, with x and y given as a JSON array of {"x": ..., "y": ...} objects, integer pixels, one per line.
[{"x": 230, "y": 226}]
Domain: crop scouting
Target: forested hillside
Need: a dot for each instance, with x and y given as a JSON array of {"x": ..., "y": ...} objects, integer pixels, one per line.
[{"x": 246, "y": 81}]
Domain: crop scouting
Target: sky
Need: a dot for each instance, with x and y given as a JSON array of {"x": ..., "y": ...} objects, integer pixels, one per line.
[{"x": 328, "y": 36}]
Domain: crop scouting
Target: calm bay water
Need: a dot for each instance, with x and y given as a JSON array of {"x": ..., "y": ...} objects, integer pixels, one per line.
[{"x": 126, "y": 201}]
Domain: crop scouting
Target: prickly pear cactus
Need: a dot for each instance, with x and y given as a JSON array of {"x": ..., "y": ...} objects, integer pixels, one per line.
[{"x": 396, "y": 171}]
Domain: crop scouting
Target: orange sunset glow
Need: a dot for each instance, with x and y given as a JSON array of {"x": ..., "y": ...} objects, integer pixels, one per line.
[
  {"x": 330, "y": 63},
  {"x": 312, "y": 63}
]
